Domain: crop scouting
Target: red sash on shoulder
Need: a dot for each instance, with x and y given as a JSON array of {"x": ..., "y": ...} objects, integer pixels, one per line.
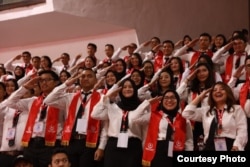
[
  {"x": 228, "y": 69},
  {"x": 196, "y": 55},
  {"x": 158, "y": 62},
  {"x": 51, "y": 123},
  {"x": 93, "y": 125},
  {"x": 152, "y": 134},
  {"x": 244, "y": 92}
]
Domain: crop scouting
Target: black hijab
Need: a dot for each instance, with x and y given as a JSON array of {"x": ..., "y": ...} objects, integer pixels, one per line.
[
  {"x": 131, "y": 103},
  {"x": 170, "y": 113}
]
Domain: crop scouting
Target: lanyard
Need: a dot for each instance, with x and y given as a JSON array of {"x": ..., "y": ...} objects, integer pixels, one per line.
[
  {"x": 220, "y": 115},
  {"x": 124, "y": 116},
  {"x": 169, "y": 122}
]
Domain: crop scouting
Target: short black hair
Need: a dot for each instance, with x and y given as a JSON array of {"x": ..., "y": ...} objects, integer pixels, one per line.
[
  {"x": 205, "y": 34},
  {"x": 157, "y": 39},
  {"x": 66, "y": 54},
  {"x": 27, "y": 53},
  {"x": 92, "y": 45},
  {"x": 36, "y": 57},
  {"x": 110, "y": 45},
  {"x": 52, "y": 73},
  {"x": 170, "y": 42},
  {"x": 59, "y": 150}
]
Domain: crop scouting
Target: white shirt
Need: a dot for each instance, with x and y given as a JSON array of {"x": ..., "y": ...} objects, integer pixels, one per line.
[
  {"x": 144, "y": 118},
  {"x": 60, "y": 99},
  {"x": 220, "y": 57},
  {"x": 19, "y": 129},
  {"x": 234, "y": 123},
  {"x": 24, "y": 105},
  {"x": 104, "y": 110}
]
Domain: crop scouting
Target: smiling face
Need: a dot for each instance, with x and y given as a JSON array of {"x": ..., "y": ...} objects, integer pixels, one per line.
[
  {"x": 148, "y": 69},
  {"x": 136, "y": 77},
  {"x": 219, "y": 94},
  {"x": 164, "y": 79},
  {"x": 110, "y": 78},
  {"x": 127, "y": 89},
  {"x": 169, "y": 101},
  {"x": 47, "y": 83}
]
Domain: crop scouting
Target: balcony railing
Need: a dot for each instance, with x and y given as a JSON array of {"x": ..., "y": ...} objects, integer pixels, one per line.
[{"x": 10, "y": 4}]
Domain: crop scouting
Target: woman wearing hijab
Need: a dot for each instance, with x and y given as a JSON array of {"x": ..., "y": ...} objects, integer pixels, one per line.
[
  {"x": 167, "y": 130},
  {"x": 124, "y": 147}
]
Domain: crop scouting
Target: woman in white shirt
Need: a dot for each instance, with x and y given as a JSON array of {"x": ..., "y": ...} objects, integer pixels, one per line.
[
  {"x": 167, "y": 130},
  {"x": 224, "y": 122},
  {"x": 124, "y": 147}
]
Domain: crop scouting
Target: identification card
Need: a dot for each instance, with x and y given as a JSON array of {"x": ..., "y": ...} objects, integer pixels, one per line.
[
  {"x": 38, "y": 128},
  {"x": 81, "y": 125},
  {"x": 220, "y": 144},
  {"x": 170, "y": 148},
  {"x": 11, "y": 133},
  {"x": 122, "y": 140}
]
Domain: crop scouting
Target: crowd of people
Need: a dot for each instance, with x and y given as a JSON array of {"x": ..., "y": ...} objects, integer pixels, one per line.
[{"x": 133, "y": 110}]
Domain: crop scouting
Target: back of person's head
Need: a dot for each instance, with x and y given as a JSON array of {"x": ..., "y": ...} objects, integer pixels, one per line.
[{"x": 20, "y": 160}]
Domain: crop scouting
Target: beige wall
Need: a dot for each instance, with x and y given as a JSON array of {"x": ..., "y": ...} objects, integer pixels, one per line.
[{"x": 168, "y": 19}]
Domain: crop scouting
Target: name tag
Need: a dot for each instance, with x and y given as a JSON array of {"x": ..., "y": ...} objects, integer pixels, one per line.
[
  {"x": 38, "y": 127},
  {"x": 81, "y": 125},
  {"x": 220, "y": 144},
  {"x": 170, "y": 148},
  {"x": 11, "y": 133},
  {"x": 122, "y": 140}
]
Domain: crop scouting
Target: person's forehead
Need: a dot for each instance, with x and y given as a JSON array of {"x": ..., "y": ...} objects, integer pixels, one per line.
[{"x": 59, "y": 155}]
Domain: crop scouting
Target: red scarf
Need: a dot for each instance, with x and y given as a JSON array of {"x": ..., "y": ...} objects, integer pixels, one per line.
[
  {"x": 51, "y": 123},
  {"x": 152, "y": 134},
  {"x": 244, "y": 92},
  {"x": 228, "y": 69},
  {"x": 197, "y": 54},
  {"x": 93, "y": 125},
  {"x": 158, "y": 62},
  {"x": 28, "y": 68}
]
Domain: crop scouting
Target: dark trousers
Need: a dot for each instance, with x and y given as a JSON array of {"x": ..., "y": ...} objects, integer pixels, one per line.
[
  {"x": 80, "y": 155},
  {"x": 123, "y": 157},
  {"x": 38, "y": 152},
  {"x": 161, "y": 158}
]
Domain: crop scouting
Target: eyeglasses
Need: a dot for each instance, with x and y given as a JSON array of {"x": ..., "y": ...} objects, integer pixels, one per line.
[
  {"x": 247, "y": 65},
  {"x": 45, "y": 80},
  {"x": 169, "y": 98}
]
